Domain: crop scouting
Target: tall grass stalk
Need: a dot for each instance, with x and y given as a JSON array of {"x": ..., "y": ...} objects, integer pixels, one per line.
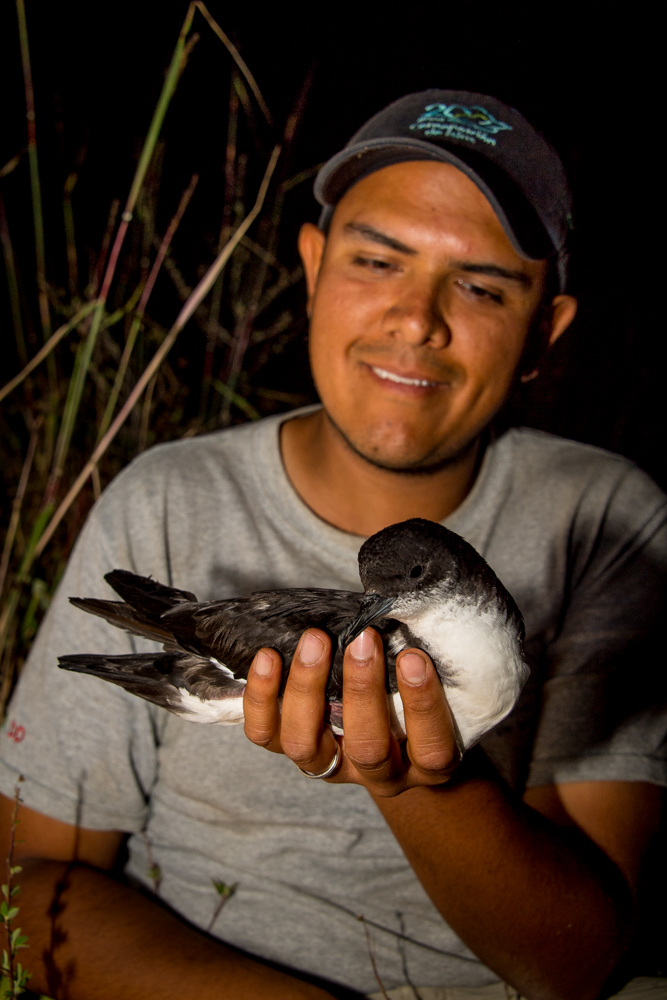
[
  {"x": 101, "y": 424},
  {"x": 35, "y": 188},
  {"x": 12, "y": 285},
  {"x": 186, "y": 312},
  {"x": 18, "y": 501},
  {"x": 143, "y": 302},
  {"x": 82, "y": 362},
  {"x": 49, "y": 346},
  {"x": 236, "y": 55}
]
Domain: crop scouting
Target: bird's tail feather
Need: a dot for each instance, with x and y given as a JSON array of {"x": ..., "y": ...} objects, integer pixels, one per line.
[
  {"x": 150, "y": 598},
  {"x": 125, "y": 617},
  {"x": 126, "y": 669}
]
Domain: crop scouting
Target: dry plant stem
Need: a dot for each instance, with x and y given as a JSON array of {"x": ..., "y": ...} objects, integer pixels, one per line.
[
  {"x": 145, "y": 416},
  {"x": 18, "y": 500},
  {"x": 12, "y": 164},
  {"x": 186, "y": 312},
  {"x": 371, "y": 955},
  {"x": 225, "y": 893},
  {"x": 35, "y": 190},
  {"x": 12, "y": 284},
  {"x": 44, "y": 352},
  {"x": 83, "y": 360},
  {"x": 148, "y": 288},
  {"x": 70, "y": 240},
  {"x": 106, "y": 243},
  {"x": 236, "y": 56},
  {"x": 225, "y": 230}
]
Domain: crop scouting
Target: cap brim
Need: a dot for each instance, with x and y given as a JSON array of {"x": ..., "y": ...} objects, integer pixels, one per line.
[{"x": 517, "y": 217}]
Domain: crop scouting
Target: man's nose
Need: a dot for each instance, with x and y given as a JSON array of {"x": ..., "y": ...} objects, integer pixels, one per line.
[{"x": 418, "y": 319}]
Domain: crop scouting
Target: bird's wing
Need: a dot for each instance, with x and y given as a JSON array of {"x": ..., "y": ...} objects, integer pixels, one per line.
[
  {"x": 233, "y": 630},
  {"x": 180, "y": 682},
  {"x": 123, "y": 616}
]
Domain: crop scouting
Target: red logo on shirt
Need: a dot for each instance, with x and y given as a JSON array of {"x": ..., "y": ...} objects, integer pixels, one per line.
[{"x": 16, "y": 733}]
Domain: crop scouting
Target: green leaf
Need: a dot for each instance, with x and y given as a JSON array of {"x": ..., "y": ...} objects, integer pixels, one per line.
[
  {"x": 18, "y": 939},
  {"x": 5, "y": 891},
  {"x": 15, "y": 891},
  {"x": 3, "y": 910},
  {"x": 11, "y": 913},
  {"x": 223, "y": 889},
  {"x": 15, "y": 870}
]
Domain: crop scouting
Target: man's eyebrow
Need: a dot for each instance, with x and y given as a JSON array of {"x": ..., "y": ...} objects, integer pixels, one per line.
[
  {"x": 376, "y": 236},
  {"x": 494, "y": 271}
]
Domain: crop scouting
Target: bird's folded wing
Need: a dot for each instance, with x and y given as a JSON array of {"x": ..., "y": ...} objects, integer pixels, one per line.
[
  {"x": 123, "y": 616},
  {"x": 237, "y": 628}
]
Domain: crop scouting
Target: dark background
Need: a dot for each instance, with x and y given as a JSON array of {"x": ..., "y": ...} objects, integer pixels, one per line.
[{"x": 585, "y": 74}]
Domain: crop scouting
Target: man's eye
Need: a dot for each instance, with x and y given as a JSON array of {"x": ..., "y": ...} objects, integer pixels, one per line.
[
  {"x": 372, "y": 263},
  {"x": 482, "y": 294}
]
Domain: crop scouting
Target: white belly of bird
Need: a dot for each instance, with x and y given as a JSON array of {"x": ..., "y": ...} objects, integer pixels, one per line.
[
  {"x": 226, "y": 711},
  {"x": 480, "y": 660}
]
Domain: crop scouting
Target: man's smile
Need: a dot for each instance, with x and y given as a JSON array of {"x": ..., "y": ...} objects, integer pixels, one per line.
[
  {"x": 402, "y": 379},
  {"x": 412, "y": 380}
]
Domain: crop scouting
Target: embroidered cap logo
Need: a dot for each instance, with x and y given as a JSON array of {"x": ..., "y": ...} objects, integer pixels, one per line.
[{"x": 456, "y": 121}]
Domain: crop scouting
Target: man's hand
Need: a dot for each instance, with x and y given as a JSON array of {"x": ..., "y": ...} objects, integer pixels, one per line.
[
  {"x": 544, "y": 898},
  {"x": 371, "y": 754}
]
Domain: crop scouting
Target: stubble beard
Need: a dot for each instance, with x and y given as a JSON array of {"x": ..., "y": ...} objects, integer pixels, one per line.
[{"x": 429, "y": 465}]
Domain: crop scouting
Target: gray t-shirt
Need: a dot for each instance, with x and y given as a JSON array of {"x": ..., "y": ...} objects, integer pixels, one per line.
[{"x": 576, "y": 534}]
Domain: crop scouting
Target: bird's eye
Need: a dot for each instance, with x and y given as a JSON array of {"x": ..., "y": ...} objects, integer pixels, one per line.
[{"x": 416, "y": 571}]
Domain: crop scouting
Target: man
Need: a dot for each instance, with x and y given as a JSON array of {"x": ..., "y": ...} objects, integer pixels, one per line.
[{"x": 436, "y": 280}]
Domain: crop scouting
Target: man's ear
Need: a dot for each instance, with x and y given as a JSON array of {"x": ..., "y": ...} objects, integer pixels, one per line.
[
  {"x": 554, "y": 320},
  {"x": 560, "y": 314},
  {"x": 311, "y": 249}
]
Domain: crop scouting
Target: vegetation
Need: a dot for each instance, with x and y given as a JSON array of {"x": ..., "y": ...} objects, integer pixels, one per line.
[{"x": 95, "y": 382}]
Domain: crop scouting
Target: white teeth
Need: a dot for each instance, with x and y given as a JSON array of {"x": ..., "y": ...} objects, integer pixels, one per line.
[{"x": 391, "y": 377}]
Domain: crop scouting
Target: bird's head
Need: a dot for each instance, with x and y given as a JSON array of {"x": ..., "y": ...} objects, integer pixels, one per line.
[{"x": 405, "y": 562}]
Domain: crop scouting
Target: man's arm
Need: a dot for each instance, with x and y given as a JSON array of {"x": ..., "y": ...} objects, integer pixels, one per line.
[
  {"x": 543, "y": 891},
  {"x": 91, "y": 936},
  {"x": 545, "y": 906}
]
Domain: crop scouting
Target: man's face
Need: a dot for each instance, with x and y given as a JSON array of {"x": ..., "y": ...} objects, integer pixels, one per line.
[{"x": 420, "y": 312}]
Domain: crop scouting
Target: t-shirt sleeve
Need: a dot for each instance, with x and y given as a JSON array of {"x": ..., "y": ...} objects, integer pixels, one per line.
[
  {"x": 87, "y": 750},
  {"x": 604, "y": 701}
]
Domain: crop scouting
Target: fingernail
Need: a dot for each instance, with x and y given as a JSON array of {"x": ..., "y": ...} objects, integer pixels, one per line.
[
  {"x": 263, "y": 664},
  {"x": 413, "y": 668},
  {"x": 362, "y": 647},
  {"x": 311, "y": 648}
]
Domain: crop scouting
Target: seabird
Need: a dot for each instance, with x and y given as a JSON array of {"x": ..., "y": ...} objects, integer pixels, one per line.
[{"x": 424, "y": 586}]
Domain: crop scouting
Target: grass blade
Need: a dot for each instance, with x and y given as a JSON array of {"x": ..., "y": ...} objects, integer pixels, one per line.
[
  {"x": 48, "y": 347},
  {"x": 236, "y": 56},
  {"x": 18, "y": 500},
  {"x": 12, "y": 285},
  {"x": 83, "y": 359},
  {"x": 148, "y": 288},
  {"x": 186, "y": 312},
  {"x": 35, "y": 189}
]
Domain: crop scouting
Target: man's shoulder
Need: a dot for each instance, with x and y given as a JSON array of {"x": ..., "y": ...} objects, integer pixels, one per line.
[
  {"x": 541, "y": 458},
  {"x": 198, "y": 460}
]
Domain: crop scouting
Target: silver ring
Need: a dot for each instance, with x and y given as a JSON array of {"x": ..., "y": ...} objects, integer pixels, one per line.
[{"x": 331, "y": 769}]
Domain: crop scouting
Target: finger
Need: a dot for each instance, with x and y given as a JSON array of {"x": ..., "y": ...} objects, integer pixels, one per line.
[
  {"x": 431, "y": 745},
  {"x": 261, "y": 708},
  {"x": 369, "y": 743},
  {"x": 304, "y": 735}
]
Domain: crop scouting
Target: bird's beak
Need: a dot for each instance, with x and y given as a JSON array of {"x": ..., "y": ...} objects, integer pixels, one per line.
[{"x": 373, "y": 607}]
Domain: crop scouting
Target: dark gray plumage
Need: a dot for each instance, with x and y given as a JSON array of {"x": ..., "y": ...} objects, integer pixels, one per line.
[{"x": 424, "y": 586}]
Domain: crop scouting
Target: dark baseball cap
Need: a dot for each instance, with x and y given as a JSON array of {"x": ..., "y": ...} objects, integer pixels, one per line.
[{"x": 511, "y": 163}]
